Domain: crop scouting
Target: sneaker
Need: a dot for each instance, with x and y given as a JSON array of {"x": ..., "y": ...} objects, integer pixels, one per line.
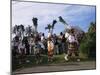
[
  {"x": 66, "y": 57},
  {"x": 78, "y": 60}
]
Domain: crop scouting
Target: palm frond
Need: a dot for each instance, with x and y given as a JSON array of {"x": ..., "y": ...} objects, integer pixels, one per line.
[
  {"x": 54, "y": 22},
  {"x": 62, "y": 20}
]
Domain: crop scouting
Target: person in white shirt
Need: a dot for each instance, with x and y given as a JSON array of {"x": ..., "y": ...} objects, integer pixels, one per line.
[
  {"x": 42, "y": 37},
  {"x": 42, "y": 42},
  {"x": 37, "y": 50}
]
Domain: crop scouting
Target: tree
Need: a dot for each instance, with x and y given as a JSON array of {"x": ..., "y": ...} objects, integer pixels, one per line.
[
  {"x": 88, "y": 44},
  {"x": 92, "y": 27}
]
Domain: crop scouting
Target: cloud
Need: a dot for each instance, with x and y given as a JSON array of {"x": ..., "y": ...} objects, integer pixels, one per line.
[{"x": 23, "y": 12}]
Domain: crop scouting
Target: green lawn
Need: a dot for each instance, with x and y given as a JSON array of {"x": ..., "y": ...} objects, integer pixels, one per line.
[{"x": 58, "y": 59}]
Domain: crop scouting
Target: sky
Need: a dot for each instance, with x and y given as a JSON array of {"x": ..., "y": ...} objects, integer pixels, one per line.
[{"x": 75, "y": 15}]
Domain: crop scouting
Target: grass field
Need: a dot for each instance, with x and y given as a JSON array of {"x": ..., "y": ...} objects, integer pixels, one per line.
[{"x": 58, "y": 59}]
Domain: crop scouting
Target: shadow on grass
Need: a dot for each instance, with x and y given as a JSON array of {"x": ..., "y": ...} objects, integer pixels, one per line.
[{"x": 58, "y": 60}]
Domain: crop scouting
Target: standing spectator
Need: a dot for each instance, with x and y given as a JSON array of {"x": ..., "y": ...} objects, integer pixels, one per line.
[
  {"x": 37, "y": 50},
  {"x": 31, "y": 42},
  {"x": 25, "y": 40},
  {"x": 43, "y": 43},
  {"x": 60, "y": 43},
  {"x": 56, "y": 51},
  {"x": 66, "y": 36},
  {"x": 42, "y": 37},
  {"x": 63, "y": 43},
  {"x": 16, "y": 43}
]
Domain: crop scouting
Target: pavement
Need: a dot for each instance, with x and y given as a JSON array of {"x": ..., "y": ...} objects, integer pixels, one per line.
[{"x": 68, "y": 66}]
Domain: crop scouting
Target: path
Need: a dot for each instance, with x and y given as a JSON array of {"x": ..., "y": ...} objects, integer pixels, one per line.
[{"x": 58, "y": 67}]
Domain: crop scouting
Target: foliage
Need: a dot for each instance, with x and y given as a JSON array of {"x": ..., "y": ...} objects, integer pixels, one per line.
[
  {"x": 51, "y": 27},
  {"x": 88, "y": 44}
]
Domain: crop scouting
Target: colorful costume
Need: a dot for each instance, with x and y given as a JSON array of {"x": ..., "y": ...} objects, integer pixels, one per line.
[
  {"x": 72, "y": 45},
  {"x": 50, "y": 45},
  {"x": 50, "y": 48}
]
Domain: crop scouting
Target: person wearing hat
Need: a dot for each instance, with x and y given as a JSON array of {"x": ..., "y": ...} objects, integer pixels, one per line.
[{"x": 37, "y": 50}]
